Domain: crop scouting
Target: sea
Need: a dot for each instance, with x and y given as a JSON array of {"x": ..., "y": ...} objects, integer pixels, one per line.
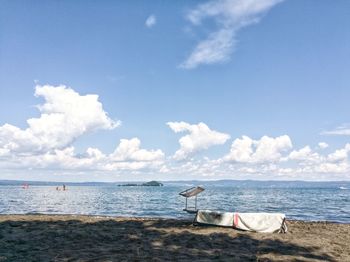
[{"x": 310, "y": 201}]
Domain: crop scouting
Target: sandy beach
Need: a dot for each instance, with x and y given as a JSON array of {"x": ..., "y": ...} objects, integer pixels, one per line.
[{"x": 90, "y": 238}]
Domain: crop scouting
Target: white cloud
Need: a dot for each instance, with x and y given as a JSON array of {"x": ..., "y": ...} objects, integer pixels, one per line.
[
  {"x": 127, "y": 155},
  {"x": 230, "y": 16},
  {"x": 129, "y": 150},
  {"x": 201, "y": 137},
  {"x": 340, "y": 154},
  {"x": 271, "y": 161},
  {"x": 313, "y": 163},
  {"x": 217, "y": 48},
  {"x": 151, "y": 21},
  {"x": 94, "y": 153},
  {"x": 300, "y": 154},
  {"x": 305, "y": 155},
  {"x": 331, "y": 168},
  {"x": 47, "y": 144},
  {"x": 65, "y": 116},
  {"x": 267, "y": 149},
  {"x": 4, "y": 152},
  {"x": 343, "y": 130},
  {"x": 322, "y": 145}
]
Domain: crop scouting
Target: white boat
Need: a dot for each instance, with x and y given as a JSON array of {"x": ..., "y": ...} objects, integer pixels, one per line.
[{"x": 257, "y": 222}]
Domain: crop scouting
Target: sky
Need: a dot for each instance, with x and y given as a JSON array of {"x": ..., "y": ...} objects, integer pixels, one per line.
[{"x": 175, "y": 90}]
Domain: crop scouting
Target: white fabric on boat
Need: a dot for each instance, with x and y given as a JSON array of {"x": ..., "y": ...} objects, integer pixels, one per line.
[
  {"x": 208, "y": 217},
  {"x": 258, "y": 222}
]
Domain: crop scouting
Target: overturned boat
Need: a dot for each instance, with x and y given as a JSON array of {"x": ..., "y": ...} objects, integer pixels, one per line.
[{"x": 257, "y": 222}]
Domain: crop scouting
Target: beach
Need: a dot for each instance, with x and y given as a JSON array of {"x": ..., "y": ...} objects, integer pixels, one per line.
[{"x": 95, "y": 238}]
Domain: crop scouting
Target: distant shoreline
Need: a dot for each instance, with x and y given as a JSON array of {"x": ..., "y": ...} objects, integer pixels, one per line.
[{"x": 178, "y": 182}]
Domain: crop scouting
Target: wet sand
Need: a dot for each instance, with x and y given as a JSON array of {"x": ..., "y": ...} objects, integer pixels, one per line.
[{"x": 89, "y": 238}]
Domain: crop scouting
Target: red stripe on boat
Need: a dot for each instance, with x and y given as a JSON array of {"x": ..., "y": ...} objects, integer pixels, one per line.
[{"x": 235, "y": 222}]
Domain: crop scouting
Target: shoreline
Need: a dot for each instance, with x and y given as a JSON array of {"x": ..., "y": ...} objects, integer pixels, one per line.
[
  {"x": 156, "y": 217},
  {"x": 42, "y": 237}
]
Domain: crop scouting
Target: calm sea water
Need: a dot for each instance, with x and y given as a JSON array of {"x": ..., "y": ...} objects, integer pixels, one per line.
[{"x": 301, "y": 202}]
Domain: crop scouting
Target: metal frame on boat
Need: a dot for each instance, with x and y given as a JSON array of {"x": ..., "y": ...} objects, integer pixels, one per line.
[{"x": 191, "y": 192}]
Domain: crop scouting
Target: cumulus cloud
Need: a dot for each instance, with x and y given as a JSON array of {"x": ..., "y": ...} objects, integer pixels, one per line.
[
  {"x": 266, "y": 149},
  {"x": 340, "y": 154},
  {"x": 267, "y": 158},
  {"x": 230, "y": 17},
  {"x": 322, "y": 145},
  {"x": 65, "y": 115},
  {"x": 47, "y": 143},
  {"x": 129, "y": 150},
  {"x": 127, "y": 155},
  {"x": 305, "y": 154},
  {"x": 151, "y": 21},
  {"x": 200, "y": 137},
  {"x": 311, "y": 162}
]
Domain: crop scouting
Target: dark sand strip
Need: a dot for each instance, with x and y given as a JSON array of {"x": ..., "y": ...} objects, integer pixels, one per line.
[{"x": 88, "y": 238}]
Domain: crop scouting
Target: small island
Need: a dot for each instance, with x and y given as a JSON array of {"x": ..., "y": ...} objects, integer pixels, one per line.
[{"x": 150, "y": 183}]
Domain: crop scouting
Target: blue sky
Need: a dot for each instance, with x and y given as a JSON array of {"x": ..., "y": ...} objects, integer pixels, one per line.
[{"x": 263, "y": 68}]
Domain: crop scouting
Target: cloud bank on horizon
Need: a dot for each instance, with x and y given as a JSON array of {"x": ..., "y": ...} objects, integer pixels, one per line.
[
  {"x": 230, "y": 17},
  {"x": 65, "y": 116}
]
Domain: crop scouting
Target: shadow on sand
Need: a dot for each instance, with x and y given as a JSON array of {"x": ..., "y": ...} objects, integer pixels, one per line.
[{"x": 156, "y": 240}]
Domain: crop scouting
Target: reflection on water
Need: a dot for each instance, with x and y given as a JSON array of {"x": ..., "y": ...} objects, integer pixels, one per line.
[{"x": 331, "y": 204}]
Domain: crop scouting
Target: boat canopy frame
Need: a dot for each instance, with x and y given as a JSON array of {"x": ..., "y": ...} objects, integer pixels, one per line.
[{"x": 191, "y": 192}]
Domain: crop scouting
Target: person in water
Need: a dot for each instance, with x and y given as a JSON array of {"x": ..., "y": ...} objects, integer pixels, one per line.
[{"x": 64, "y": 187}]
